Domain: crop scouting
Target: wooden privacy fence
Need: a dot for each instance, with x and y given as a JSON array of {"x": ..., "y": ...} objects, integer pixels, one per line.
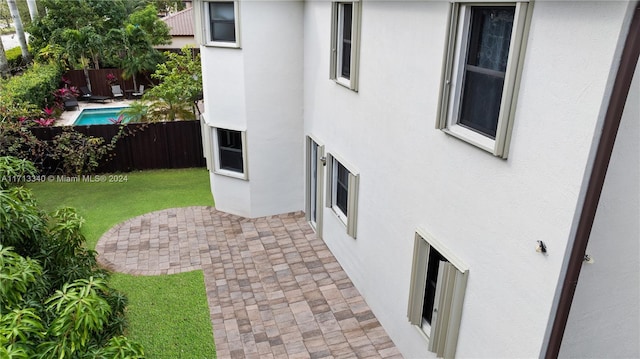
[
  {"x": 99, "y": 83},
  {"x": 145, "y": 146}
]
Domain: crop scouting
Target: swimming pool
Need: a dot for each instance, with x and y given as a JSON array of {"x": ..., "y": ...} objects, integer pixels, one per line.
[{"x": 99, "y": 116}]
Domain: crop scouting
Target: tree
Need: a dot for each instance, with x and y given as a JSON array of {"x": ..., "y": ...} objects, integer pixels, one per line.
[
  {"x": 17, "y": 24},
  {"x": 83, "y": 46},
  {"x": 180, "y": 86},
  {"x": 155, "y": 29},
  {"x": 134, "y": 42},
  {"x": 168, "y": 6},
  {"x": 33, "y": 9},
  {"x": 62, "y": 15},
  {"x": 4, "y": 64}
]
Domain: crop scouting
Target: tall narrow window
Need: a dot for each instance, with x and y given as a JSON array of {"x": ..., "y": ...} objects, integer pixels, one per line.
[
  {"x": 314, "y": 184},
  {"x": 344, "y": 43},
  {"x": 342, "y": 189},
  {"x": 230, "y": 155},
  {"x": 431, "y": 284},
  {"x": 344, "y": 47},
  {"x": 438, "y": 283},
  {"x": 479, "y": 84},
  {"x": 222, "y": 23},
  {"x": 485, "y": 68}
]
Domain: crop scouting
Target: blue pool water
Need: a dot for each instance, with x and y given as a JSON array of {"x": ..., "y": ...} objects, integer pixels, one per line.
[{"x": 99, "y": 116}]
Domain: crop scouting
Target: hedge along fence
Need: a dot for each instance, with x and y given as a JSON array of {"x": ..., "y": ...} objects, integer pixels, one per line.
[
  {"x": 34, "y": 86},
  {"x": 146, "y": 146}
]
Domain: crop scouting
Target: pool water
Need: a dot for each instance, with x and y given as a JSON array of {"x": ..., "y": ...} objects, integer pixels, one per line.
[{"x": 99, "y": 116}]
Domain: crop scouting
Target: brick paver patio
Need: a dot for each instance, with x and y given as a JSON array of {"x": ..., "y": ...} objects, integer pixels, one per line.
[{"x": 274, "y": 289}]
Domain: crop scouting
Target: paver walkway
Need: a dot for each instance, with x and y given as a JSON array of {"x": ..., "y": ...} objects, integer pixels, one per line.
[{"x": 274, "y": 289}]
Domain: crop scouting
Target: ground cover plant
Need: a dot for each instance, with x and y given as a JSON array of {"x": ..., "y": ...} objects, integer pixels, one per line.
[{"x": 168, "y": 315}]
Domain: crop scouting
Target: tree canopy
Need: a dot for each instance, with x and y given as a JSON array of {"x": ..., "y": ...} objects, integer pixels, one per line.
[{"x": 94, "y": 33}]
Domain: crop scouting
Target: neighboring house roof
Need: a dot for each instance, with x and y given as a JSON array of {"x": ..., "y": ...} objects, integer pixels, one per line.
[{"x": 180, "y": 23}]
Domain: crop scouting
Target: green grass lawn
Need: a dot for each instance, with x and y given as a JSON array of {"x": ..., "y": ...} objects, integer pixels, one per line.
[{"x": 167, "y": 314}]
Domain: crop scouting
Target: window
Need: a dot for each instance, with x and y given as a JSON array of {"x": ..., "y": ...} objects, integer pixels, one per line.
[
  {"x": 222, "y": 23},
  {"x": 438, "y": 282},
  {"x": 314, "y": 184},
  {"x": 343, "y": 193},
  {"x": 345, "y": 43},
  {"x": 481, "y": 73},
  {"x": 230, "y": 157}
]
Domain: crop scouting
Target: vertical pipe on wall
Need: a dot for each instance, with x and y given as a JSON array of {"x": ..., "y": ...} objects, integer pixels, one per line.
[{"x": 613, "y": 116}]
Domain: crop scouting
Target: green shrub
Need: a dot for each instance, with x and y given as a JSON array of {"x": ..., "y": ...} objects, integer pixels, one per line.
[
  {"x": 14, "y": 56},
  {"x": 55, "y": 302},
  {"x": 35, "y": 86}
]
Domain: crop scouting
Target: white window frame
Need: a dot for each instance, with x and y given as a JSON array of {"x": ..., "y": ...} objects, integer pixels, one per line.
[
  {"x": 453, "y": 74},
  {"x": 442, "y": 334},
  {"x": 207, "y": 148},
  {"x": 208, "y": 41},
  {"x": 319, "y": 162},
  {"x": 349, "y": 219},
  {"x": 216, "y": 155},
  {"x": 337, "y": 16}
]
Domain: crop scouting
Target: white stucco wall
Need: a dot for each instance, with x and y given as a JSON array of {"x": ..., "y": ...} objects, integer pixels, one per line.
[
  {"x": 489, "y": 212},
  {"x": 258, "y": 89},
  {"x": 605, "y": 315}
]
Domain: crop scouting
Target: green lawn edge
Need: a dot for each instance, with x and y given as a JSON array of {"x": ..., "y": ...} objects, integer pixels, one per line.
[{"x": 167, "y": 314}]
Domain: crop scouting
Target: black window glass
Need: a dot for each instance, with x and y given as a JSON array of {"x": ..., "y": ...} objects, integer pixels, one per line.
[
  {"x": 342, "y": 188},
  {"x": 347, "y": 18},
  {"x": 230, "y": 150},
  {"x": 432, "y": 280}
]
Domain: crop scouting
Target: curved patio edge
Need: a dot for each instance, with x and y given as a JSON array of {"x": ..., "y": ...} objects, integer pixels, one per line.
[{"x": 273, "y": 287}]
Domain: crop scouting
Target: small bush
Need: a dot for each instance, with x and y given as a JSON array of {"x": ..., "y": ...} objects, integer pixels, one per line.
[{"x": 14, "y": 57}]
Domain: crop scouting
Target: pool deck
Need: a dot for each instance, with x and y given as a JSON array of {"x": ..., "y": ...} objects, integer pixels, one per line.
[{"x": 68, "y": 117}]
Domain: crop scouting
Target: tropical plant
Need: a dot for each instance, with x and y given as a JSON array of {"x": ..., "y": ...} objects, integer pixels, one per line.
[
  {"x": 133, "y": 43},
  {"x": 137, "y": 111},
  {"x": 180, "y": 86},
  {"x": 55, "y": 302},
  {"x": 83, "y": 47}
]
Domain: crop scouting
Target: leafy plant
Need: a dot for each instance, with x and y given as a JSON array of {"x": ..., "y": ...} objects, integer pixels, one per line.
[
  {"x": 180, "y": 85},
  {"x": 79, "y": 153},
  {"x": 35, "y": 86},
  {"x": 137, "y": 111},
  {"x": 54, "y": 300},
  {"x": 14, "y": 171}
]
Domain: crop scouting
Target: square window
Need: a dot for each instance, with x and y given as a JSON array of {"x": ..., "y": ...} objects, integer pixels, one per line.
[
  {"x": 343, "y": 193},
  {"x": 345, "y": 43},
  {"x": 438, "y": 283},
  {"x": 221, "y": 23},
  {"x": 481, "y": 70},
  {"x": 229, "y": 152}
]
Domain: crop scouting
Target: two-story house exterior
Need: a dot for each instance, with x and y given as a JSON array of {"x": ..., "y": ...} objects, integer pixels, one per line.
[{"x": 447, "y": 152}]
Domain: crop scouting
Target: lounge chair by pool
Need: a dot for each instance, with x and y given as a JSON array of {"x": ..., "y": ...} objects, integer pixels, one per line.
[{"x": 87, "y": 96}]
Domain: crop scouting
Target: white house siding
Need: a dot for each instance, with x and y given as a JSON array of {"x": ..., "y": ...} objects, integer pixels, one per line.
[
  {"x": 258, "y": 89},
  {"x": 605, "y": 317},
  {"x": 488, "y": 211}
]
